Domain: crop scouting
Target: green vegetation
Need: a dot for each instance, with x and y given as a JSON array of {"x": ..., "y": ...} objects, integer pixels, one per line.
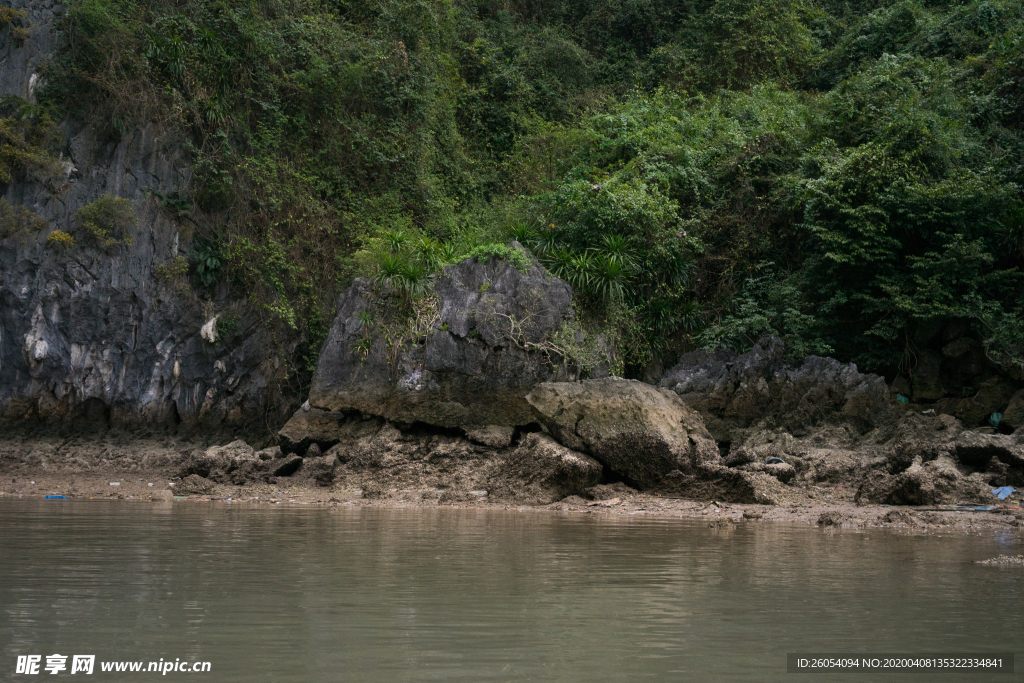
[
  {"x": 60, "y": 240},
  {"x": 108, "y": 221},
  {"x": 18, "y": 222},
  {"x": 27, "y": 136},
  {"x": 174, "y": 273},
  {"x": 484, "y": 252},
  {"x": 701, "y": 171},
  {"x": 16, "y": 21}
]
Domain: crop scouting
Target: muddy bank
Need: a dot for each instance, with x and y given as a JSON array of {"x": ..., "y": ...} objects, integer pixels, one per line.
[{"x": 84, "y": 467}]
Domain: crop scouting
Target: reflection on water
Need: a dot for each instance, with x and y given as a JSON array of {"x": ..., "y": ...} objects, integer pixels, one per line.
[{"x": 357, "y": 594}]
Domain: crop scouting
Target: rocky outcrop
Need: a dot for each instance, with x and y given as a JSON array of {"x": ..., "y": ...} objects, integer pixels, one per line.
[
  {"x": 638, "y": 432},
  {"x": 729, "y": 485},
  {"x": 993, "y": 396},
  {"x": 93, "y": 335},
  {"x": 733, "y": 391},
  {"x": 541, "y": 471},
  {"x": 824, "y": 424},
  {"x": 478, "y": 352}
]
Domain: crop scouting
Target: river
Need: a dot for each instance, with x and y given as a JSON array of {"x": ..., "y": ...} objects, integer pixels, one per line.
[{"x": 310, "y": 595}]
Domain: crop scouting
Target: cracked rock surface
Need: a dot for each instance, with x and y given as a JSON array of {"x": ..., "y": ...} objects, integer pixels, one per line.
[{"x": 473, "y": 365}]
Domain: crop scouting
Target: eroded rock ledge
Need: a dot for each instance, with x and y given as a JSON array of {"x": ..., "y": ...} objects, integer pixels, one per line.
[{"x": 738, "y": 428}]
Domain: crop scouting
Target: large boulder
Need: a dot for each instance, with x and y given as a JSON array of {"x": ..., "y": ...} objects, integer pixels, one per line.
[
  {"x": 218, "y": 459},
  {"x": 1013, "y": 416},
  {"x": 469, "y": 355},
  {"x": 734, "y": 391},
  {"x": 541, "y": 471},
  {"x": 639, "y": 432}
]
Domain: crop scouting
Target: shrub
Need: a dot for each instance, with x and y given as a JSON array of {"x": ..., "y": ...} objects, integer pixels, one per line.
[
  {"x": 517, "y": 257},
  {"x": 109, "y": 221},
  {"x": 26, "y": 138},
  {"x": 18, "y": 221},
  {"x": 209, "y": 260},
  {"x": 15, "y": 19},
  {"x": 60, "y": 240},
  {"x": 172, "y": 271}
]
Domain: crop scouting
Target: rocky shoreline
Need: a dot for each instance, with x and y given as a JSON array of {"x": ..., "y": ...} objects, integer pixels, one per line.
[
  {"x": 827, "y": 509},
  {"x": 83, "y": 467},
  {"x": 476, "y": 397}
]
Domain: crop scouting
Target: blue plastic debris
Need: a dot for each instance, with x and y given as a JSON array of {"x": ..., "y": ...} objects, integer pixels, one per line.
[
  {"x": 772, "y": 461},
  {"x": 57, "y": 497},
  {"x": 995, "y": 418},
  {"x": 900, "y": 398},
  {"x": 1003, "y": 492}
]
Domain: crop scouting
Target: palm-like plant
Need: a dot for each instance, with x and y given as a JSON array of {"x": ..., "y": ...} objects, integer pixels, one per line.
[
  {"x": 663, "y": 316},
  {"x": 617, "y": 248},
  {"x": 607, "y": 278},
  {"x": 426, "y": 250},
  {"x": 579, "y": 270},
  {"x": 391, "y": 270},
  {"x": 395, "y": 240},
  {"x": 415, "y": 280},
  {"x": 558, "y": 263},
  {"x": 522, "y": 233},
  {"x": 365, "y": 318},
  {"x": 545, "y": 242},
  {"x": 447, "y": 253}
]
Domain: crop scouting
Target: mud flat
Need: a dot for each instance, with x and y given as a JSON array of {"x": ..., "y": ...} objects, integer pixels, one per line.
[{"x": 84, "y": 468}]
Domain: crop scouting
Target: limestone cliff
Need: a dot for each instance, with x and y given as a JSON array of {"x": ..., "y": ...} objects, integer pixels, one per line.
[{"x": 94, "y": 334}]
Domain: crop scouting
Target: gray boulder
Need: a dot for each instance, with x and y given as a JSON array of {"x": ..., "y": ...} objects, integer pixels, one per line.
[
  {"x": 476, "y": 352},
  {"x": 325, "y": 428},
  {"x": 286, "y": 466},
  {"x": 639, "y": 432},
  {"x": 236, "y": 462},
  {"x": 728, "y": 485},
  {"x": 736, "y": 391},
  {"x": 992, "y": 396}
]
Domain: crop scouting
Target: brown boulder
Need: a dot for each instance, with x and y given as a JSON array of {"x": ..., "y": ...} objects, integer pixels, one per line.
[
  {"x": 541, "y": 471},
  {"x": 638, "y": 431}
]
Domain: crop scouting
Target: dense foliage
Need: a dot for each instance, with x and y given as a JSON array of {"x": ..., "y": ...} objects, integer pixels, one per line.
[{"x": 702, "y": 171}]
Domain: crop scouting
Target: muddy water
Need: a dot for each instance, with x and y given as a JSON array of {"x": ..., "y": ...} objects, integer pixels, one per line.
[{"x": 311, "y": 595}]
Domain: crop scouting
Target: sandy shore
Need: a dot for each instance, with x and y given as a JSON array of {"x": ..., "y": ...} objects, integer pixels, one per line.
[{"x": 827, "y": 508}]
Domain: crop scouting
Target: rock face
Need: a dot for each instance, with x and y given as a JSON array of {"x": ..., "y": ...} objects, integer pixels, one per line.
[
  {"x": 737, "y": 391},
  {"x": 94, "y": 335},
  {"x": 19, "y": 64},
  {"x": 639, "y": 432},
  {"x": 470, "y": 366}
]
